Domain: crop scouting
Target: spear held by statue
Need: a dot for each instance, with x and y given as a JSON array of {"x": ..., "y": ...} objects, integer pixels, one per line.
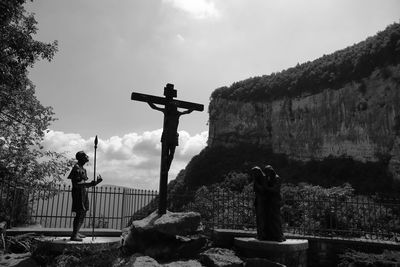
[{"x": 96, "y": 181}]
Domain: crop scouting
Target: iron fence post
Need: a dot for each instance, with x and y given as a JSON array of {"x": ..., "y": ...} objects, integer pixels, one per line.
[
  {"x": 122, "y": 208},
  {"x": 13, "y": 207},
  {"x": 213, "y": 208}
]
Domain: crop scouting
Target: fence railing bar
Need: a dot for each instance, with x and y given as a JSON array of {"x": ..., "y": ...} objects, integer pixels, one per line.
[
  {"x": 114, "y": 210},
  {"x": 37, "y": 205},
  {"x": 103, "y": 216},
  {"x": 109, "y": 216},
  {"x": 105, "y": 204},
  {"x": 122, "y": 207},
  {"x": 62, "y": 203},
  {"x": 102, "y": 204},
  {"x": 47, "y": 206},
  {"x": 13, "y": 207},
  {"x": 140, "y": 199},
  {"x": 136, "y": 202},
  {"x": 67, "y": 209},
  {"x": 128, "y": 205},
  {"x": 32, "y": 194}
]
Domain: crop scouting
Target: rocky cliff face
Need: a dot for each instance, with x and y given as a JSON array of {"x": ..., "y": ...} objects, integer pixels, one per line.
[{"x": 359, "y": 120}]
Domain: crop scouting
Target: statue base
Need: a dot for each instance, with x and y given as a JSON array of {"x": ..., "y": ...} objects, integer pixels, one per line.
[{"x": 291, "y": 253}]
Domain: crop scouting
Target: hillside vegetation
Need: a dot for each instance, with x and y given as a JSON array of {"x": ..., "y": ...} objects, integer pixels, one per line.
[
  {"x": 328, "y": 71},
  {"x": 230, "y": 168}
]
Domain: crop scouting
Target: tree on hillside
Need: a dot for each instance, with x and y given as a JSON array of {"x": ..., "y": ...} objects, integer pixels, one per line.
[
  {"x": 329, "y": 71},
  {"x": 23, "y": 119}
]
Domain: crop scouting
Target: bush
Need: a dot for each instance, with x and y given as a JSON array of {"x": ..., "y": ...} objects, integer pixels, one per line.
[
  {"x": 357, "y": 258},
  {"x": 232, "y": 166}
]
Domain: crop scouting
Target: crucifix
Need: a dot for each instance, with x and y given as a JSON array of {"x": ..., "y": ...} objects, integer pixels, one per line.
[{"x": 169, "y": 139}]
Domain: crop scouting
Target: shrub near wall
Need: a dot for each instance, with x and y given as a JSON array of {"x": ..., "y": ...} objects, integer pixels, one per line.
[
  {"x": 357, "y": 258},
  {"x": 337, "y": 211}
]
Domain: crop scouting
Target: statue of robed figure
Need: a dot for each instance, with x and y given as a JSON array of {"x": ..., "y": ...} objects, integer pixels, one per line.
[{"x": 268, "y": 201}]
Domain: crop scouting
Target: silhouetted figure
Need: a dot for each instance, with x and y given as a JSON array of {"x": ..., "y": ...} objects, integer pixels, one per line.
[
  {"x": 169, "y": 139},
  {"x": 80, "y": 200},
  {"x": 267, "y": 204},
  {"x": 260, "y": 200},
  {"x": 170, "y": 134}
]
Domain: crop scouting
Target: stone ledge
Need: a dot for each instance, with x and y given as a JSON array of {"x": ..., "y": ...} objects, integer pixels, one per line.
[
  {"x": 59, "y": 244},
  {"x": 104, "y": 232},
  {"x": 225, "y": 238},
  {"x": 290, "y": 245},
  {"x": 290, "y": 253}
]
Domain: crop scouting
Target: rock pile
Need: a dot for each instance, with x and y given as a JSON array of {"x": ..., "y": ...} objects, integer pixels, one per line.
[
  {"x": 166, "y": 237},
  {"x": 220, "y": 257}
]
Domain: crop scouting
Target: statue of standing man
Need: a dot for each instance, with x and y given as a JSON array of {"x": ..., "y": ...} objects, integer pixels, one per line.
[
  {"x": 268, "y": 201},
  {"x": 80, "y": 199}
]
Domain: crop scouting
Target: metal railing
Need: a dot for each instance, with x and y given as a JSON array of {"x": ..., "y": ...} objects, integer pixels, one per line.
[
  {"x": 367, "y": 217},
  {"x": 51, "y": 208}
]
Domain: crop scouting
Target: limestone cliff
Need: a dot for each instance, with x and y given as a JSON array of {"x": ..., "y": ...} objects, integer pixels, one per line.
[
  {"x": 346, "y": 104},
  {"x": 359, "y": 120},
  {"x": 327, "y": 122}
]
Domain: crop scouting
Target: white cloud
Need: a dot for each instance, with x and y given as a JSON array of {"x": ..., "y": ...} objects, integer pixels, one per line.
[
  {"x": 180, "y": 38},
  {"x": 132, "y": 160},
  {"x": 199, "y": 9}
]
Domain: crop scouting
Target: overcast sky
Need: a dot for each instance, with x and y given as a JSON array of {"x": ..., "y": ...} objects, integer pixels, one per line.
[{"x": 108, "y": 49}]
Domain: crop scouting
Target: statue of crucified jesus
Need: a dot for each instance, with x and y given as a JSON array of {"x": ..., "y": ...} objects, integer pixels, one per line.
[
  {"x": 170, "y": 135},
  {"x": 169, "y": 139}
]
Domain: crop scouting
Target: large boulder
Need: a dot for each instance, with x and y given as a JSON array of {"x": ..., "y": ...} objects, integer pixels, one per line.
[
  {"x": 220, "y": 257},
  {"x": 171, "y": 235},
  {"x": 20, "y": 260},
  {"x": 171, "y": 223}
]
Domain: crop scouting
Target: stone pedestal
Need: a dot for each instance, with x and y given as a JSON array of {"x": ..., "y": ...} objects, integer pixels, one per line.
[{"x": 292, "y": 252}]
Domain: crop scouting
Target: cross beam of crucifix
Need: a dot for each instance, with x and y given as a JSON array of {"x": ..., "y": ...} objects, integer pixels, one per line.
[{"x": 169, "y": 139}]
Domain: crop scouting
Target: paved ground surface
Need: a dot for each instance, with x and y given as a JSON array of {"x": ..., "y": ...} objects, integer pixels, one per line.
[
  {"x": 100, "y": 232},
  {"x": 86, "y": 240},
  {"x": 60, "y": 243}
]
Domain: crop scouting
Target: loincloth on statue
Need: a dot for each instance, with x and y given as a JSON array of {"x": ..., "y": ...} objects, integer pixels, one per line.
[{"x": 170, "y": 138}]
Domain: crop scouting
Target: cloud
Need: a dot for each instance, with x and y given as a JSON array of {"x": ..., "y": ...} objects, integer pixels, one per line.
[
  {"x": 199, "y": 9},
  {"x": 132, "y": 160},
  {"x": 180, "y": 38}
]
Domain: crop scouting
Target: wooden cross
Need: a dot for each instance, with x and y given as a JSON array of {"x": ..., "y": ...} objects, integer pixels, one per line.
[{"x": 169, "y": 139}]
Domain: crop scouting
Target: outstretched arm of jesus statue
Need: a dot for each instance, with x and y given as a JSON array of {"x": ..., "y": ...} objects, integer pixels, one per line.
[
  {"x": 155, "y": 107},
  {"x": 185, "y": 112}
]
